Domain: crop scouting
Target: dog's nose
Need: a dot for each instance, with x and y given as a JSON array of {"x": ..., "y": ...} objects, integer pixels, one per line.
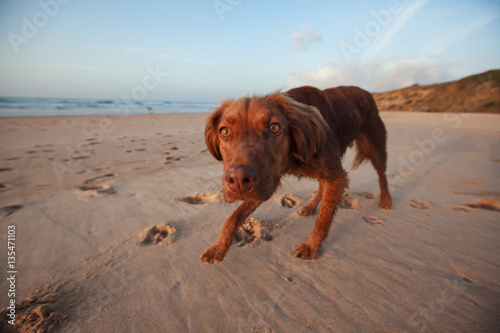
[{"x": 240, "y": 179}]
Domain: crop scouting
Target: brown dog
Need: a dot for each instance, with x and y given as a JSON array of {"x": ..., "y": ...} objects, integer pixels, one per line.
[{"x": 303, "y": 132}]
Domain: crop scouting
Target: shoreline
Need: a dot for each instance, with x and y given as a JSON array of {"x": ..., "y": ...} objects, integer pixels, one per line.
[
  {"x": 386, "y": 112},
  {"x": 109, "y": 116}
]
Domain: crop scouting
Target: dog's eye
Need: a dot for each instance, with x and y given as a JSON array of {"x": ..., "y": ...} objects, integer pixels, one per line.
[
  {"x": 274, "y": 128},
  {"x": 225, "y": 132}
]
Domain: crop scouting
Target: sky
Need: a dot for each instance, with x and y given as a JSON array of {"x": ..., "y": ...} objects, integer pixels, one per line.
[{"x": 207, "y": 50}]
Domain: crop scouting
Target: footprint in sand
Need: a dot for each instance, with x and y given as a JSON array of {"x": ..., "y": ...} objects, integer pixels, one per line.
[
  {"x": 289, "y": 201},
  {"x": 5, "y": 169},
  {"x": 81, "y": 157},
  {"x": 101, "y": 189},
  {"x": 89, "y": 185},
  {"x": 105, "y": 168},
  {"x": 156, "y": 234},
  {"x": 37, "y": 314},
  {"x": 251, "y": 231},
  {"x": 463, "y": 209},
  {"x": 367, "y": 195},
  {"x": 172, "y": 158},
  {"x": 348, "y": 202},
  {"x": 372, "y": 220},
  {"x": 421, "y": 204},
  {"x": 134, "y": 150},
  {"x": 9, "y": 210},
  {"x": 40, "y": 149},
  {"x": 100, "y": 178},
  {"x": 46, "y": 150},
  {"x": 93, "y": 141},
  {"x": 486, "y": 203},
  {"x": 203, "y": 198}
]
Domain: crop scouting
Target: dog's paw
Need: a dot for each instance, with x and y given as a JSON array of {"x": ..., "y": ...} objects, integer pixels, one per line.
[
  {"x": 307, "y": 211},
  {"x": 385, "y": 203},
  {"x": 306, "y": 252},
  {"x": 214, "y": 254}
]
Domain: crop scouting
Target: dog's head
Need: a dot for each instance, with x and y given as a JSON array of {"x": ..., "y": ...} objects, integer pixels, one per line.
[{"x": 257, "y": 138}]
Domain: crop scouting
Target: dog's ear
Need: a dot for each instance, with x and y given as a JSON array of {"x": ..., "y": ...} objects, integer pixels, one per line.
[
  {"x": 308, "y": 128},
  {"x": 212, "y": 130}
]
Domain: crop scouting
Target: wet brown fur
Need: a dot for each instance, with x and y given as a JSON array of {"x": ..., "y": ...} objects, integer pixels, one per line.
[{"x": 316, "y": 127}]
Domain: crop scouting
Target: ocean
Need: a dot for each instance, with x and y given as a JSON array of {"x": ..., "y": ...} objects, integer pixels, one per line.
[{"x": 20, "y": 107}]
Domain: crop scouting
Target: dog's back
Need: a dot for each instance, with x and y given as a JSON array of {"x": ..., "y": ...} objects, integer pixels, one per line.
[{"x": 349, "y": 111}]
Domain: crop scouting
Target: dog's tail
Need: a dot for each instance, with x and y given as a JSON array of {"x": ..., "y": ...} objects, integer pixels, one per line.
[{"x": 363, "y": 150}]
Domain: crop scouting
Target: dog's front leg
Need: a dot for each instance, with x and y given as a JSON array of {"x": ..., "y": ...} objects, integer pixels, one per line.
[
  {"x": 219, "y": 249},
  {"x": 332, "y": 192}
]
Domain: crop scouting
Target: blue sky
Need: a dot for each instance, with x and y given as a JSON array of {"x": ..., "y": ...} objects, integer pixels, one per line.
[{"x": 230, "y": 48}]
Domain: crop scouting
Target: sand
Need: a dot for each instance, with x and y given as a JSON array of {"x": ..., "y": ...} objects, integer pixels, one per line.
[{"x": 112, "y": 214}]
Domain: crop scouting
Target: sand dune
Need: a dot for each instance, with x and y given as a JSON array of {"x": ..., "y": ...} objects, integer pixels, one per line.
[
  {"x": 476, "y": 94},
  {"x": 112, "y": 214}
]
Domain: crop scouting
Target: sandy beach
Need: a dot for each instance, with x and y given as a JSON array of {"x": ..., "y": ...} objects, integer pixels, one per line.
[{"x": 111, "y": 215}]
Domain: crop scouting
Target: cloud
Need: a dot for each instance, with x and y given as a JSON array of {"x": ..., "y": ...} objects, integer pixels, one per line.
[
  {"x": 302, "y": 40},
  {"x": 375, "y": 76}
]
